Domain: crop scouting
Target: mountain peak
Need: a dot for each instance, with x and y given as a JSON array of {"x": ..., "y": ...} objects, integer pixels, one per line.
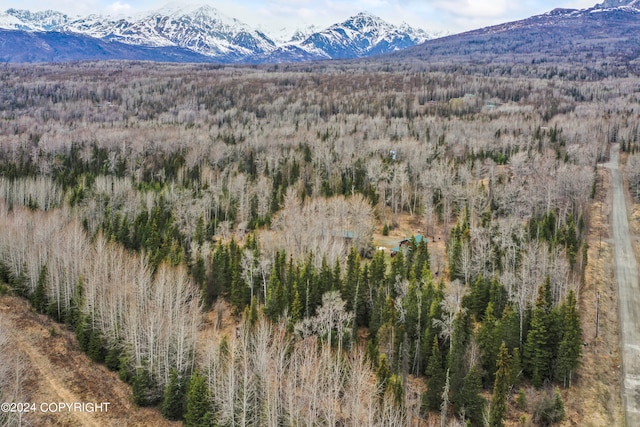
[
  {"x": 200, "y": 11},
  {"x": 201, "y": 29},
  {"x": 366, "y": 19}
]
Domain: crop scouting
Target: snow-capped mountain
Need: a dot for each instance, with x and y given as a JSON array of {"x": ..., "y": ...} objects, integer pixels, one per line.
[
  {"x": 201, "y": 29},
  {"x": 362, "y": 35},
  {"x": 48, "y": 20},
  {"x": 204, "y": 30},
  {"x": 291, "y": 35}
]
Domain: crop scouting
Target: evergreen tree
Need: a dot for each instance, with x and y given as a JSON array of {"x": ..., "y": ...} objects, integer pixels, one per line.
[
  {"x": 510, "y": 327},
  {"x": 457, "y": 357},
  {"x": 488, "y": 340},
  {"x": 83, "y": 333},
  {"x": 500, "y": 388},
  {"x": 174, "y": 401},
  {"x": 570, "y": 348},
  {"x": 112, "y": 359},
  {"x": 274, "y": 300},
  {"x": 145, "y": 390},
  {"x": 199, "y": 234},
  {"x": 199, "y": 271},
  {"x": 199, "y": 409},
  {"x": 516, "y": 367},
  {"x": 537, "y": 355},
  {"x": 351, "y": 281},
  {"x": 471, "y": 401},
  {"x": 432, "y": 398},
  {"x": 397, "y": 270},
  {"x": 336, "y": 282},
  {"x": 19, "y": 282},
  {"x": 454, "y": 251},
  {"x": 39, "y": 298},
  {"x": 479, "y": 297},
  {"x": 420, "y": 259},
  {"x": 96, "y": 350},
  {"x": 498, "y": 296}
]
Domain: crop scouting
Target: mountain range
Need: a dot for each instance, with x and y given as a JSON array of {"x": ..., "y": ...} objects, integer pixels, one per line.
[
  {"x": 190, "y": 33},
  {"x": 606, "y": 35}
]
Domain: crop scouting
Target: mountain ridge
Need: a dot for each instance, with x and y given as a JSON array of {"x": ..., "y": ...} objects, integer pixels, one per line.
[
  {"x": 597, "y": 41},
  {"x": 205, "y": 31}
]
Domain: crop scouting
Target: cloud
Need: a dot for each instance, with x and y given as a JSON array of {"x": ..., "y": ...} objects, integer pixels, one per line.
[
  {"x": 119, "y": 7},
  {"x": 476, "y": 8}
]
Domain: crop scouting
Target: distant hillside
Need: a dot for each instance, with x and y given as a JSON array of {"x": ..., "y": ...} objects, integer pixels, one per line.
[
  {"x": 22, "y": 46},
  {"x": 605, "y": 36}
]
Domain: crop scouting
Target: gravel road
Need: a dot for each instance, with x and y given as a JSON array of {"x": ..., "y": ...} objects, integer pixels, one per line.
[{"x": 626, "y": 269}]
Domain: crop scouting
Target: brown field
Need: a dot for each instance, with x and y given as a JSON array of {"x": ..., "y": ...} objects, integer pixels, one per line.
[{"x": 56, "y": 370}]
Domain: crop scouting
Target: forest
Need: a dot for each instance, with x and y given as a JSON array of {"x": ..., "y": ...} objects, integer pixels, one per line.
[{"x": 213, "y": 234}]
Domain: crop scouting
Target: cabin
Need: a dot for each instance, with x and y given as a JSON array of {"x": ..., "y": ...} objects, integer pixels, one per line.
[{"x": 404, "y": 244}]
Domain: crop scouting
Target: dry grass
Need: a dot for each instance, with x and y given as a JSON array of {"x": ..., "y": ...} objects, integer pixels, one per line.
[
  {"x": 57, "y": 371},
  {"x": 595, "y": 398}
]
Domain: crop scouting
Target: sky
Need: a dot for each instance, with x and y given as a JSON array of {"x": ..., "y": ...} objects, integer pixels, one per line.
[{"x": 452, "y": 16}]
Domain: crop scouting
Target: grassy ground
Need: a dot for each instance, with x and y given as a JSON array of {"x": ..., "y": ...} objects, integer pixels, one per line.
[{"x": 55, "y": 370}]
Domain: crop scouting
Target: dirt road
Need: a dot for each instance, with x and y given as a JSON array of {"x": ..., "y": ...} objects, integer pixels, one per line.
[
  {"x": 626, "y": 269},
  {"x": 55, "y": 371}
]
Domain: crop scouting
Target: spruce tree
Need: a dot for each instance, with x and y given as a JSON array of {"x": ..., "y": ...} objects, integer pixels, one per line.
[
  {"x": 500, "y": 388},
  {"x": 516, "y": 367},
  {"x": 488, "y": 340},
  {"x": 39, "y": 298},
  {"x": 498, "y": 296},
  {"x": 96, "y": 350},
  {"x": 199, "y": 409},
  {"x": 479, "y": 297},
  {"x": 432, "y": 398},
  {"x": 351, "y": 282},
  {"x": 537, "y": 354},
  {"x": 83, "y": 333},
  {"x": 174, "y": 401},
  {"x": 112, "y": 359},
  {"x": 457, "y": 357},
  {"x": 570, "y": 348},
  {"x": 145, "y": 389},
  {"x": 471, "y": 401},
  {"x": 510, "y": 327}
]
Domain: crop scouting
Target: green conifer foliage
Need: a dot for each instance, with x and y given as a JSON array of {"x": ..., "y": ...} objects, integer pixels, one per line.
[
  {"x": 500, "y": 388},
  {"x": 537, "y": 353},
  {"x": 432, "y": 398},
  {"x": 570, "y": 348},
  {"x": 489, "y": 339},
  {"x": 174, "y": 401},
  {"x": 39, "y": 298},
  {"x": 471, "y": 401},
  {"x": 145, "y": 389},
  {"x": 199, "y": 408}
]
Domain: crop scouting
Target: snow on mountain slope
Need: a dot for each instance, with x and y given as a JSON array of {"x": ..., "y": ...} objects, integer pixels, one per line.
[
  {"x": 204, "y": 30},
  {"x": 619, "y": 4},
  {"x": 17, "y": 19},
  {"x": 362, "y": 35}
]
